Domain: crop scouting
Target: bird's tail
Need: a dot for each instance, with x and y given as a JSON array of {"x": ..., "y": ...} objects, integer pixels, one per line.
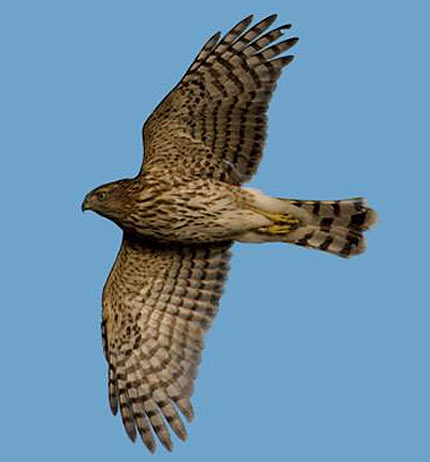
[
  {"x": 336, "y": 226},
  {"x": 331, "y": 226}
]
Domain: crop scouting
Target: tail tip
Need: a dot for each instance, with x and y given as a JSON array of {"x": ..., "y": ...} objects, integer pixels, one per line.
[{"x": 372, "y": 218}]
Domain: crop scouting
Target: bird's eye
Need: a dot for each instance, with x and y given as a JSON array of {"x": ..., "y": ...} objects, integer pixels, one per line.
[{"x": 101, "y": 196}]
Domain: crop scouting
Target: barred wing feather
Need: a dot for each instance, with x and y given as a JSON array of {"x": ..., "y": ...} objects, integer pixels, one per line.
[{"x": 213, "y": 123}]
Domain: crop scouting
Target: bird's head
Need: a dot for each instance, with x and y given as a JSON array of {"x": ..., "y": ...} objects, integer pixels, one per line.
[{"x": 110, "y": 200}]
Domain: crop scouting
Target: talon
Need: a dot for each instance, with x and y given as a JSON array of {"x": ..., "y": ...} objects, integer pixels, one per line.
[
  {"x": 280, "y": 219},
  {"x": 282, "y": 224}
]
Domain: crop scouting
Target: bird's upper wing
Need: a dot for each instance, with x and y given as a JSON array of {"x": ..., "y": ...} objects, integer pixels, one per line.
[
  {"x": 157, "y": 303},
  {"x": 213, "y": 123}
]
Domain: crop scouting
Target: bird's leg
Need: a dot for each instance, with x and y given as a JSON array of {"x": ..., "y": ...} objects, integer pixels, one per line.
[
  {"x": 284, "y": 217},
  {"x": 282, "y": 223}
]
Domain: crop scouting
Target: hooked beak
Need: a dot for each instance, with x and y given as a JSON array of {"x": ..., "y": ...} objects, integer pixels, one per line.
[{"x": 85, "y": 205}]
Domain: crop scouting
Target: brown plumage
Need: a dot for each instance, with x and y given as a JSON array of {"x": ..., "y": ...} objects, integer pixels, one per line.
[{"x": 180, "y": 216}]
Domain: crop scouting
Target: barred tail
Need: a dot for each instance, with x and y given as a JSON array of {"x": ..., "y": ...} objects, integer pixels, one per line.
[{"x": 334, "y": 226}]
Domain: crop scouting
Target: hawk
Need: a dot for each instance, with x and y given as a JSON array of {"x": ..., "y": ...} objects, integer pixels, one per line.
[{"x": 180, "y": 216}]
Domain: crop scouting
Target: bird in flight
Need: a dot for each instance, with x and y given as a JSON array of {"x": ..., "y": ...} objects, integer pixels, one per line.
[{"x": 180, "y": 216}]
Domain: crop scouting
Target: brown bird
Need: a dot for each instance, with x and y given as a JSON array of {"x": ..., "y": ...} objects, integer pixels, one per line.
[{"x": 181, "y": 214}]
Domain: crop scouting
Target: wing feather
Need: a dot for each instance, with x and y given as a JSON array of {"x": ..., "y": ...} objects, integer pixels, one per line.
[
  {"x": 205, "y": 51},
  {"x": 213, "y": 123},
  {"x": 231, "y": 36},
  {"x": 157, "y": 304}
]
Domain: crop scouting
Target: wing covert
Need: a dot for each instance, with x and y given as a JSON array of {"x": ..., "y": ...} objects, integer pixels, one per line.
[
  {"x": 213, "y": 123},
  {"x": 157, "y": 303}
]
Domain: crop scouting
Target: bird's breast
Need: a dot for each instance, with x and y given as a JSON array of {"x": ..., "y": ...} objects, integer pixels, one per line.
[{"x": 192, "y": 212}]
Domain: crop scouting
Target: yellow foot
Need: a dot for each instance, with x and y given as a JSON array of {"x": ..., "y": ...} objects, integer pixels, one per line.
[{"x": 282, "y": 224}]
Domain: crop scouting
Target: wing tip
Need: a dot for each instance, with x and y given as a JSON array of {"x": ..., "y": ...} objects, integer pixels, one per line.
[
  {"x": 285, "y": 60},
  {"x": 272, "y": 17},
  {"x": 215, "y": 37},
  {"x": 151, "y": 446},
  {"x": 168, "y": 445}
]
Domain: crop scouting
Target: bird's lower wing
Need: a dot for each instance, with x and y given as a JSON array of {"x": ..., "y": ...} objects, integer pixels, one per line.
[{"x": 158, "y": 301}]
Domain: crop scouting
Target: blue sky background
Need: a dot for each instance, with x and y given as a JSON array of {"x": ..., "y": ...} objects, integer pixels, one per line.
[{"x": 311, "y": 358}]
